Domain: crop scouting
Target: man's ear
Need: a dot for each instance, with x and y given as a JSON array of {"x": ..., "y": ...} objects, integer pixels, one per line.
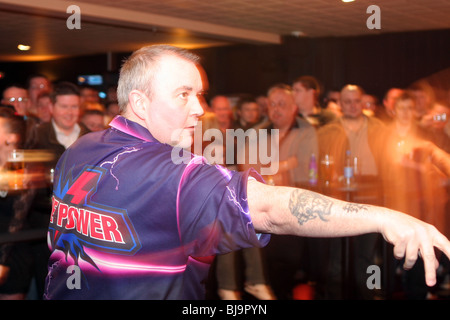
[{"x": 138, "y": 102}]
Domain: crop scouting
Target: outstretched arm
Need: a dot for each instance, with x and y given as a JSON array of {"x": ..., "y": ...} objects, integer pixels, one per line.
[
  {"x": 285, "y": 210},
  {"x": 439, "y": 157}
]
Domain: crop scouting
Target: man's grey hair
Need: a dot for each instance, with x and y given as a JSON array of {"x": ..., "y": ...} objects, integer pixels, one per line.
[
  {"x": 279, "y": 86},
  {"x": 137, "y": 72},
  {"x": 353, "y": 87}
]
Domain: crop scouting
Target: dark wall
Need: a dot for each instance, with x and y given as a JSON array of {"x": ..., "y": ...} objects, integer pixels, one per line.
[
  {"x": 66, "y": 69},
  {"x": 375, "y": 62},
  {"x": 62, "y": 69}
]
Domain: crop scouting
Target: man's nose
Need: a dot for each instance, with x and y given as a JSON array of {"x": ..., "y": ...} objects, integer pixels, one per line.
[{"x": 197, "y": 108}]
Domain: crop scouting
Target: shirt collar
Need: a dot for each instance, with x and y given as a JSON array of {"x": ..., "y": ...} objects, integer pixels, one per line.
[
  {"x": 294, "y": 125},
  {"x": 76, "y": 130},
  {"x": 131, "y": 128},
  {"x": 66, "y": 139}
]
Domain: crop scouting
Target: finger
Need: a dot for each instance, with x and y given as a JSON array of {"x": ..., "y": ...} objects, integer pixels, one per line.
[
  {"x": 399, "y": 251},
  {"x": 430, "y": 263},
  {"x": 412, "y": 251},
  {"x": 443, "y": 244}
]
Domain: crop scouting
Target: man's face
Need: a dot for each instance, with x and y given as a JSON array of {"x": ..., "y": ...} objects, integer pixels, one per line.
[
  {"x": 7, "y": 140},
  {"x": 18, "y": 98},
  {"x": 389, "y": 101},
  {"x": 38, "y": 85},
  {"x": 440, "y": 115},
  {"x": 351, "y": 103},
  {"x": 404, "y": 111},
  {"x": 222, "y": 108},
  {"x": 94, "y": 122},
  {"x": 66, "y": 111},
  {"x": 369, "y": 102},
  {"x": 249, "y": 112},
  {"x": 43, "y": 109},
  {"x": 423, "y": 102},
  {"x": 89, "y": 95},
  {"x": 281, "y": 109},
  {"x": 303, "y": 97},
  {"x": 175, "y": 102}
]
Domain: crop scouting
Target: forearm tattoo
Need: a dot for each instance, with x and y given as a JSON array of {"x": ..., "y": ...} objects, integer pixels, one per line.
[
  {"x": 307, "y": 205},
  {"x": 354, "y": 207}
]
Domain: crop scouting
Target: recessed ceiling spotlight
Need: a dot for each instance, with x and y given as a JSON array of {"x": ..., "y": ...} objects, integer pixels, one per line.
[
  {"x": 298, "y": 34},
  {"x": 23, "y": 47},
  {"x": 348, "y": 0}
]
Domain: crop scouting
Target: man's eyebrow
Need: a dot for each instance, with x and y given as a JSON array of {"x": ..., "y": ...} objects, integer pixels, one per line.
[
  {"x": 190, "y": 89},
  {"x": 187, "y": 88}
]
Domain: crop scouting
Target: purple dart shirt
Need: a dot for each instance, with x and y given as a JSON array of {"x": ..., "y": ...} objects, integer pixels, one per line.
[{"x": 129, "y": 223}]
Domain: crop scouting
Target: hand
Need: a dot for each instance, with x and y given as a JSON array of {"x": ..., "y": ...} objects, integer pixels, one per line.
[
  {"x": 426, "y": 121},
  {"x": 424, "y": 147},
  {"x": 4, "y": 272},
  {"x": 437, "y": 156},
  {"x": 412, "y": 238}
]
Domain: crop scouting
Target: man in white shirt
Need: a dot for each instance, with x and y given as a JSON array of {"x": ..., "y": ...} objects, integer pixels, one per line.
[
  {"x": 64, "y": 128},
  {"x": 56, "y": 136}
]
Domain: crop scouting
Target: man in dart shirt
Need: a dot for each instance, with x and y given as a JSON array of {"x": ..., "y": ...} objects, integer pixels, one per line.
[{"x": 136, "y": 217}]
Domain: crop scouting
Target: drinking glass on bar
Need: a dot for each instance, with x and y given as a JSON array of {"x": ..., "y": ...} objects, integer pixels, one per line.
[
  {"x": 356, "y": 166},
  {"x": 15, "y": 167},
  {"x": 326, "y": 169}
]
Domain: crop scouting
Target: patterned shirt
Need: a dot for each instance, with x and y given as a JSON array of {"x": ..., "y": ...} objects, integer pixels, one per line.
[{"x": 129, "y": 223}]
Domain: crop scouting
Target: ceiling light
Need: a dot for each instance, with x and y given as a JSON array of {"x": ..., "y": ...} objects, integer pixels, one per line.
[
  {"x": 23, "y": 47},
  {"x": 298, "y": 34},
  {"x": 348, "y": 0}
]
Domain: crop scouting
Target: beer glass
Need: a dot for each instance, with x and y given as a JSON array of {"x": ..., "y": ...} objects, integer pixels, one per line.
[
  {"x": 326, "y": 169},
  {"x": 15, "y": 167}
]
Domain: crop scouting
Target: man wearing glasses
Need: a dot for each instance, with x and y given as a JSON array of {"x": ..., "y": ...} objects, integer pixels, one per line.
[{"x": 17, "y": 97}]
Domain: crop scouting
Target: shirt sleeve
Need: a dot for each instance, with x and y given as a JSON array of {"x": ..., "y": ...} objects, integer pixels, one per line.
[{"x": 212, "y": 211}]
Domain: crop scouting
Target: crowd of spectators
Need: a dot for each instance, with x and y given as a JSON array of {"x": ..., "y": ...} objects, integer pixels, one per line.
[{"x": 385, "y": 138}]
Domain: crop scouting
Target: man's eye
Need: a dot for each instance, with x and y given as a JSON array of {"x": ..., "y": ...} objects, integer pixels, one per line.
[{"x": 184, "y": 95}]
